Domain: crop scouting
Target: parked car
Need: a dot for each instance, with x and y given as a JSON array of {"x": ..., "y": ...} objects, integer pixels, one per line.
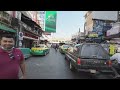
[
  {"x": 63, "y": 48},
  {"x": 40, "y": 50},
  {"x": 89, "y": 57}
]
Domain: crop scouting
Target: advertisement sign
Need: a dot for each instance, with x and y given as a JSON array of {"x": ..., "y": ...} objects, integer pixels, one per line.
[
  {"x": 50, "y": 21},
  {"x": 20, "y": 35},
  {"x": 113, "y": 31},
  {"x": 93, "y": 35},
  {"x": 101, "y": 26}
]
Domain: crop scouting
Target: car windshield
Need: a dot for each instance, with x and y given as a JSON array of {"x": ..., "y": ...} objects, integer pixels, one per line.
[
  {"x": 94, "y": 51},
  {"x": 65, "y": 46}
]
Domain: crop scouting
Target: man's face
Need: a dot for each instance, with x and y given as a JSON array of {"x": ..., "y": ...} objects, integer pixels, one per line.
[{"x": 7, "y": 43}]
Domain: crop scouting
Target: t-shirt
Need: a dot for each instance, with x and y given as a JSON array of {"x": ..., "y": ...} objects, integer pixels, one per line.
[
  {"x": 9, "y": 68},
  {"x": 116, "y": 56}
]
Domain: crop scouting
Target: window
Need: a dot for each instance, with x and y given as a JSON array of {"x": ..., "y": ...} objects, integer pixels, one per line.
[{"x": 94, "y": 51}]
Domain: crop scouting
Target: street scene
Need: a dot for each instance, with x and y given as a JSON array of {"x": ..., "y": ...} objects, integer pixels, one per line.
[
  {"x": 54, "y": 66},
  {"x": 59, "y": 45}
]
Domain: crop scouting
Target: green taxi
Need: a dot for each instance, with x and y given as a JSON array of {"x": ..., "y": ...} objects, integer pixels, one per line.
[
  {"x": 63, "y": 48},
  {"x": 41, "y": 49}
]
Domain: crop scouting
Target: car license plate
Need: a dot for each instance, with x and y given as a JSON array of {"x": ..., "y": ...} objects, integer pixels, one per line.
[{"x": 92, "y": 71}]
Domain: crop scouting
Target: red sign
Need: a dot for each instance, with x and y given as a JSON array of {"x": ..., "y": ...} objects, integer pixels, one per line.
[{"x": 30, "y": 35}]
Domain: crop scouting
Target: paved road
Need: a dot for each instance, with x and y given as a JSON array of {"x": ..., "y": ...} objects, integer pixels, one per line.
[{"x": 51, "y": 66}]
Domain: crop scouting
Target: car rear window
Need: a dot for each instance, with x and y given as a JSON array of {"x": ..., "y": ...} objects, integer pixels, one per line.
[{"x": 94, "y": 51}]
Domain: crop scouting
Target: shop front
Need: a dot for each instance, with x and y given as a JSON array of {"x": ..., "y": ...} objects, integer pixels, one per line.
[{"x": 28, "y": 40}]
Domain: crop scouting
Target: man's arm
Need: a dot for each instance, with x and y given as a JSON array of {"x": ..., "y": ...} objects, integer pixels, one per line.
[
  {"x": 113, "y": 57},
  {"x": 22, "y": 67}
]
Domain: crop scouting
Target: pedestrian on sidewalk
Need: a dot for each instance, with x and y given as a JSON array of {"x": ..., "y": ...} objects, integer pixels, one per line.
[{"x": 11, "y": 58}]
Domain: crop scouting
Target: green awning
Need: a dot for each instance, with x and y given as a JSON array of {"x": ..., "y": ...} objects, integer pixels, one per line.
[{"x": 3, "y": 27}]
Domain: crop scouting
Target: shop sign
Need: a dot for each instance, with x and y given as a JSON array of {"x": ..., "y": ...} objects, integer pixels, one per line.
[
  {"x": 93, "y": 35},
  {"x": 50, "y": 21},
  {"x": 20, "y": 35},
  {"x": 113, "y": 31}
]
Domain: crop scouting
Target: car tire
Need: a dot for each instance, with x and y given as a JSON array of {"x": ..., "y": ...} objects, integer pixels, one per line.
[
  {"x": 65, "y": 57},
  {"x": 72, "y": 68}
]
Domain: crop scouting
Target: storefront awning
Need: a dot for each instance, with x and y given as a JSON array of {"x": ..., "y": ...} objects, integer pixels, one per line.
[
  {"x": 5, "y": 28},
  {"x": 30, "y": 38}
]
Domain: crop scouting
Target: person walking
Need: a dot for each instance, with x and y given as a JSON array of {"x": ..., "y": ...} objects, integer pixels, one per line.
[
  {"x": 11, "y": 58},
  {"x": 116, "y": 56}
]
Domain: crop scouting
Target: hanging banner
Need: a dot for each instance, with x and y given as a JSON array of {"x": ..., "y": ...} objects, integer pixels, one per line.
[{"x": 50, "y": 21}]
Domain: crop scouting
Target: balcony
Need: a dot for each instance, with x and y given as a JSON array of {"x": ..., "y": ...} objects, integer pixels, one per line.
[
  {"x": 28, "y": 28},
  {"x": 5, "y": 18}
]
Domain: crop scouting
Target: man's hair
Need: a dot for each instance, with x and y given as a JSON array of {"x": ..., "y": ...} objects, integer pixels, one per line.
[{"x": 7, "y": 35}]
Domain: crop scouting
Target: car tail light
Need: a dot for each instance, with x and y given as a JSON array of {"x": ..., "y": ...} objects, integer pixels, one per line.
[
  {"x": 109, "y": 63},
  {"x": 78, "y": 61}
]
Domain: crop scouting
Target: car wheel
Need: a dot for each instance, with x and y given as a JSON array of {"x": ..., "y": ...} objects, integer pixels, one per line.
[
  {"x": 65, "y": 57},
  {"x": 72, "y": 68}
]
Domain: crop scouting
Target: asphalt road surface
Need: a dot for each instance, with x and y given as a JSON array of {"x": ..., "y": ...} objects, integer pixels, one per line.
[{"x": 53, "y": 66}]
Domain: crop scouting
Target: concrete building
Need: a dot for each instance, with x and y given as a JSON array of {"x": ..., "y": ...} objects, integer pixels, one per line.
[
  {"x": 41, "y": 19},
  {"x": 99, "y": 20},
  {"x": 78, "y": 37}
]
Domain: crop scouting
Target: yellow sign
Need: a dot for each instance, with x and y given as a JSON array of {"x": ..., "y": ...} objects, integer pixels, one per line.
[
  {"x": 112, "y": 49},
  {"x": 93, "y": 35}
]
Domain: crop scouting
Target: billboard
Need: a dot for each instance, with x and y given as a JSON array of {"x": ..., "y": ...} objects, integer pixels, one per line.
[
  {"x": 114, "y": 30},
  {"x": 50, "y": 21},
  {"x": 101, "y": 26}
]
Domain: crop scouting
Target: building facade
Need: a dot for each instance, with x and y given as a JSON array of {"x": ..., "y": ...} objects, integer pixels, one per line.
[
  {"x": 22, "y": 25},
  {"x": 99, "y": 21}
]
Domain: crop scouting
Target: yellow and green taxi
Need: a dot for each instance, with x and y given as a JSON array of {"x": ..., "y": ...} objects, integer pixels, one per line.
[
  {"x": 41, "y": 49},
  {"x": 63, "y": 48}
]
